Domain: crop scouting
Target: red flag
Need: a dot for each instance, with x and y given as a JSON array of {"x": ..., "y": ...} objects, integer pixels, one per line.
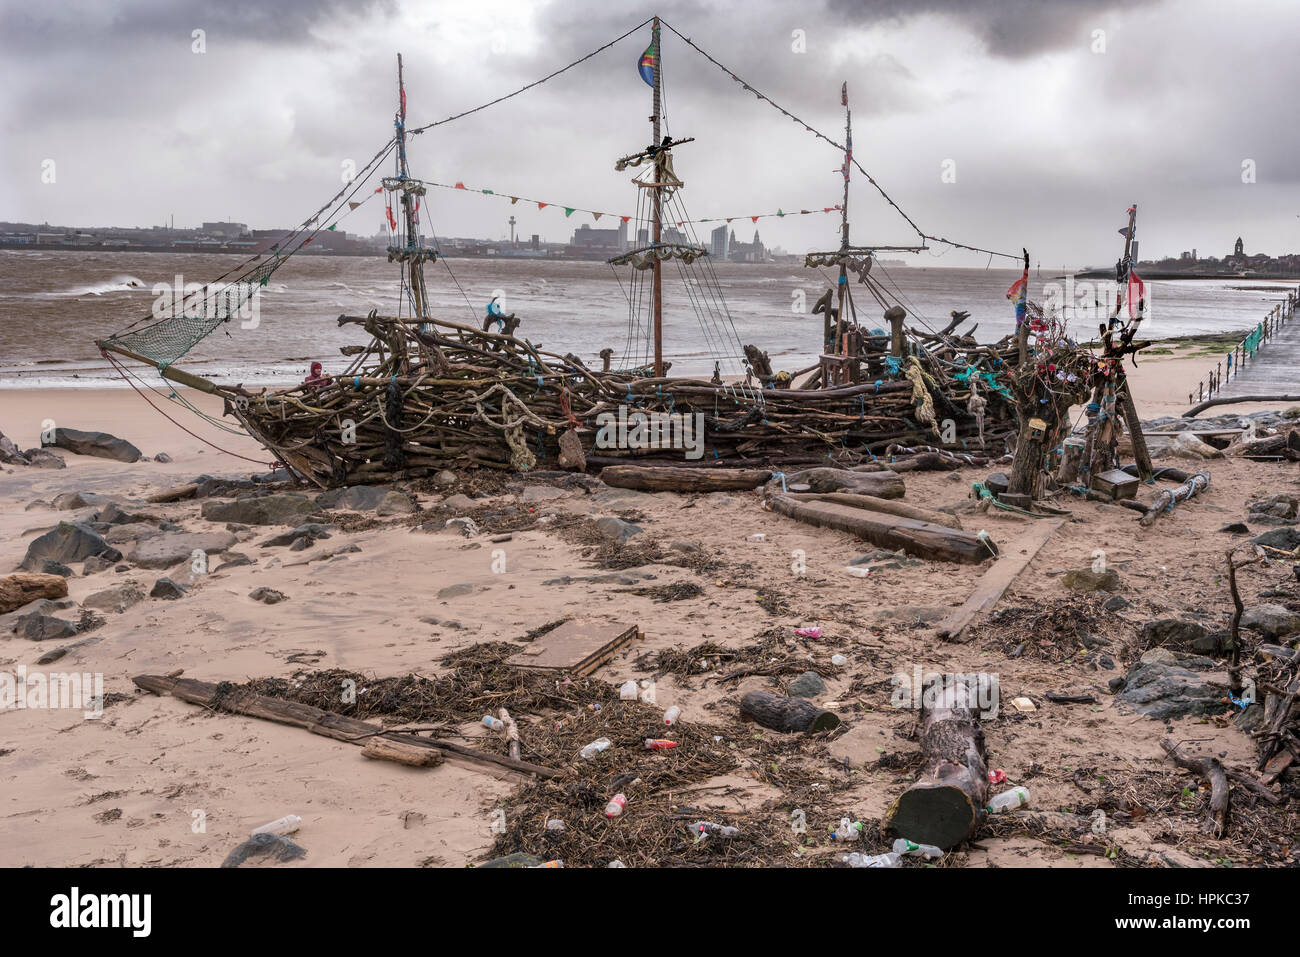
[
  {"x": 392, "y": 223},
  {"x": 625, "y": 218},
  {"x": 541, "y": 205},
  {"x": 460, "y": 185},
  {"x": 1134, "y": 280}
]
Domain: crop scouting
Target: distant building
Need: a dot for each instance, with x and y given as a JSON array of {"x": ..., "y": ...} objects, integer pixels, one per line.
[
  {"x": 720, "y": 244},
  {"x": 606, "y": 239},
  {"x": 1239, "y": 249},
  {"x": 753, "y": 252},
  {"x": 226, "y": 230}
]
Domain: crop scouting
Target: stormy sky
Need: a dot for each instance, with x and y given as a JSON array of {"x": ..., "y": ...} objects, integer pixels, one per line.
[{"x": 1048, "y": 119}]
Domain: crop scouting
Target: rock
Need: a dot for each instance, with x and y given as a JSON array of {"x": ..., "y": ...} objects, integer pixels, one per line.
[
  {"x": 233, "y": 560},
  {"x": 357, "y": 498},
  {"x": 114, "y": 514},
  {"x": 264, "y": 849},
  {"x": 1116, "y": 603},
  {"x": 50, "y": 567},
  {"x": 18, "y": 590},
  {"x": 1236, "y": 528},
  {"x": 66, "y": 501},
  {"x": 445, "y": 478},
  {"x": 116, "y": 598},
  {"x": 616, "y": 530},
  {"x": 99, "y": 444},
  {"x": 9, "y": 453},
  {"x": 807, "y": 685},
  {"x": 167, "y": 589},
  {"x": 287, "y": 508},
  {"x": 1187, "y": 446},
  {"x": 395, "y": 503},
  {"x": 1287, "y": 538},
  {"x": 121, "y": 534},
  {"x": 268, "y": 595},
  {"x": 1271, "y": 621},
  {"x": 540, "y": 493},
  {"x": 467, "y": 526},
  {"x": 1284, "y": 505},
  {"x": 1164, "y": 684},
  {"x": 68, "y": 542},
  {"x": 162, "y": 457},
  {"x": 459, "y": 503},
  {"x": 44, "y": 459},
  {"x": 310, "y": 531},
  {"x": 1087, "y": 580},
  {"x": 45, "y": 627},
  {"x": 97, "y": 563},
  {"x": 300, "y": 544},
  {"x": 455, "y": 591},
  {"x": 166, "y": 549},
  {"x": 51, "y": 656},
  {"x": 1175, "y": 631},
  {"x": 518, "y": 860}
]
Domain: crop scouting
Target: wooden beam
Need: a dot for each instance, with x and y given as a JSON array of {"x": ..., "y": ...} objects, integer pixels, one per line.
[
  {"x": 652, "y": 478},
  {"x": 994, "y": 582}
]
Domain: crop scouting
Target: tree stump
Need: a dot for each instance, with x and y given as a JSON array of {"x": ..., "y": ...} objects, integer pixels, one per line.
[{"x": 786, "y": 714}]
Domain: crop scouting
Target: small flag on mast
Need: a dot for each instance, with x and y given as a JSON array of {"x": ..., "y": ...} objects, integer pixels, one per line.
[
  {"x": 844, "y": 94},
  {"x": 649, "y": 62}
]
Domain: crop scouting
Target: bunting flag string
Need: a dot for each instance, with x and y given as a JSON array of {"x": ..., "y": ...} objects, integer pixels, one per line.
[{"x": 597, "y": 214}]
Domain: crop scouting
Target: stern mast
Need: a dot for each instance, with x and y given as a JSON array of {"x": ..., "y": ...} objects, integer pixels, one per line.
[{"x": 657, "y": 237}]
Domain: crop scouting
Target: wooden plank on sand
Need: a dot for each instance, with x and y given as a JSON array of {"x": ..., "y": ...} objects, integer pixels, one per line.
[
  {"x": 994, "y": 582},
  {"x": 575, "y": 647}
]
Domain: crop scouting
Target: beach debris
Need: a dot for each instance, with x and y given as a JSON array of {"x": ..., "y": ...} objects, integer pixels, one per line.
[
  {"x": 672, "y": 715},
  {"x": 99, "y": 444},
  {"x": 807, "y": 685},
  {"x": 786, "y": 714},
  {"x": 628, "y": 691},
  {"x": 288, "y": 824},
  {"x": 871, "y": 860},
  {"x": 846, "y": 831},
  {"x": 888, "y": 531},
  {"x": 235, "y": 700},
  {"x": 679, "y": 479},
  {"x": 575, "y": 647},
  {"x": 1212, "y": 771},
  {"x": 905, "y": 848},
  {"x": 1166, "y": 499},
  {"x": 68, "y": 542},
  {"x": 264, "y": 848},
  {"x": 1011, "y": 800},
  {"x": 944, "y": 805},
  {"x": 811, "y": 632},
  {"x": 756, "y": 537},
  {"x": 593, "y": 749},
  {"x": 401, "y": 750},
  {"x": 659, "y": 744},
  {"x": 1023, "y": 705},
  {"x": 615, "y": 806},
  {"x": 267, "y": 596},
  {"x": 21, "y": 589},
  {"x": 707, "y": 829}
]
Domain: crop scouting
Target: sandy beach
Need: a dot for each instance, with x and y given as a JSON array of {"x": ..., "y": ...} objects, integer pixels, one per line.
[{"x": 159, "y": 782}]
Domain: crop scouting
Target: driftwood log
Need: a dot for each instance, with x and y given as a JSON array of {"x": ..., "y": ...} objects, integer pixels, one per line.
[
  {"x": 786, "y": 714},
  {"x": 316, "y": 720},
  {"x": 384, "y": 748},
  {"x": 883, "y": 484},
  {"x": 663, "y": 478},
  {"x": 888, "y": 506},
  {"x": 1212, "y": 771},
  {"x": 922, "y": 539},
  {"x": 948, "y": 800}
]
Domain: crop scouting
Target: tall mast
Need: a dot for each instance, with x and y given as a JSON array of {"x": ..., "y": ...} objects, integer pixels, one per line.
[
  {"x": 1130, "y": 251},
  {"x": 408, "y": 201},
  {"x": 657, "y": 281},
  {"x": 844, "y": 217}
]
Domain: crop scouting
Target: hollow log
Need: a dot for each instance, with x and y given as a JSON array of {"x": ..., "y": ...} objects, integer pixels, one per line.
[
  {"x": 651, "y": 478},
  {"x": 922, "y": 539},
  {"x": 947, "y": 802},
  {"x": 786, "y": 714}
]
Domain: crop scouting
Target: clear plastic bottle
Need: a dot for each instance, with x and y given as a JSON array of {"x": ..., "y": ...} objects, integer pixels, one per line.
[
  {"x": 495, "y": 724},
  {"x": 672, "y": 714},
  {"x": 285, "y": 825},
  {"x": 705, "y": 829},
  {"x": 648, "y": 694},
  {"x": 911, "y": 849},
  {"x": 615, "y": 807},
  {"x": 847, "y": 830},
  {"x": 1017, "y": 797},
  {"x": 628, "y": 691},
  {"x": 593, "y": 749},
  {"x": 871, "y": 860}
]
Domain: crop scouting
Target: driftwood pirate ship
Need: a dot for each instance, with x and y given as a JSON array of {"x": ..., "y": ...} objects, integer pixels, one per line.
[{"x": 422, "y": 393}]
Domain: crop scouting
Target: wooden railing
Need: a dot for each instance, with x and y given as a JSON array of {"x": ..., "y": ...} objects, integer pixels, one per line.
[{"x": 1245, "y": 350}]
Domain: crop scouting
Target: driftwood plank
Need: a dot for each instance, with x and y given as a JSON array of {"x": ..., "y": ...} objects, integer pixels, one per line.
[
  {"x": 315, "y": 720},
  {"x": 923, "y": 539},
  {"x": 994, "y": 582},
  {"x": 664, "y": 478},
  {"x": 888, "y": 506}
]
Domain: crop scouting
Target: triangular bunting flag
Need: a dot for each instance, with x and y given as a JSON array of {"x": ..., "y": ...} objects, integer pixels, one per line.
[
  {"x": 568, "y": 210},
  {"x": 513, "y": 200},
  {"x": 460, "y": 185},
  {"x": 331, "y": 226},
  {"x": 541, "y": 205},
  {"x": 778, "y": 212},
  {"x": 353, "y": 205},
  {"x": 489, "y": 192},
  {"x": 754, "y": 218},
  {"x": 625, "y": 218},
  {"x": 596, "y": 216}
]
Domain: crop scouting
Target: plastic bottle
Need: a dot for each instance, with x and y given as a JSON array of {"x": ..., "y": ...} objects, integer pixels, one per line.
[
  {"x": 705, "y": 829},
  {"x": 1017, "y": 797},
  {"x": 871, "y": 860},
  {"x": 648, "y": 692},
  {"x": 848, "y": 830},
  {"x": 629, "y": 691},
  {"x": 495, "y": 724},
  {"x": 672, "y": 714},
  {"x": 555, "y": 825},
  {"x": 757, "y": 537},
  {"x": 839, "y": 660},
  {"x": 659, "y": 744},
  {"x": 285, "y": 825},
  {"x": 593, "y": 749},
  {"x": 615, "y": 807},
  {"x": 911, "y": 849}
]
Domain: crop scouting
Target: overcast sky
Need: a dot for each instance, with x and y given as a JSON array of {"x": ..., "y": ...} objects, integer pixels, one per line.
[{"x": 1049, "y": 127}]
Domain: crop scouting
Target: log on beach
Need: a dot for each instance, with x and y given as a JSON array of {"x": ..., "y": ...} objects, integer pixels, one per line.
[
  {"x": 652, "y": 478},
  {"x": 948, "y": 800},
  {"x": 786, "y": 714},
  {"x": 888, "y": 506},
  {"x": 922, "y": 539},
  {"x": 884, "y": 484}
]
